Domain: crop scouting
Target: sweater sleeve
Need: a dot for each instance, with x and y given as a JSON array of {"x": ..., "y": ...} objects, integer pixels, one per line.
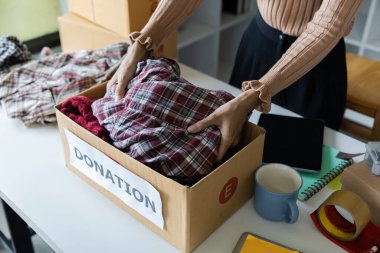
[
  {"x": 328, "y": 25},
  {"x": 167, "y": 17}
]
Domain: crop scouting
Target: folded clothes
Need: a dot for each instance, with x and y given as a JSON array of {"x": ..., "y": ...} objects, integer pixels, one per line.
[
  {"x": 31, "y": 91},
  {"x": 78, "y": 108},
  {"x": 12, "y": 51},
  {"x": 150, "y": 122}
]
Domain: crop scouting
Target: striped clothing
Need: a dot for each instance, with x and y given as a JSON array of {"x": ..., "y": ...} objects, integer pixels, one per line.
[{"x": 31, "y": 91}]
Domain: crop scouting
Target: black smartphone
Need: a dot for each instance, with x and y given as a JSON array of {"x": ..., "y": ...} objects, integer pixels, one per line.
[
  {"x": 293, "y": 141},
  {"x": 251, "y": 243}
]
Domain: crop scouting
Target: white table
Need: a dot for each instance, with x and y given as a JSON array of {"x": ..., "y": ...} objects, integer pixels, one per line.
[{"x": 72, "y": 217}]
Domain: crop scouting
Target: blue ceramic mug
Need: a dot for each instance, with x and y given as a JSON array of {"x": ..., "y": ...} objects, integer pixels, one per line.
[{"x": 276, "y": 191}]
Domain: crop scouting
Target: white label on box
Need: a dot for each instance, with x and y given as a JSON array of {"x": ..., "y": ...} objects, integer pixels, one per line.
[{"x": 126, "y": 186}]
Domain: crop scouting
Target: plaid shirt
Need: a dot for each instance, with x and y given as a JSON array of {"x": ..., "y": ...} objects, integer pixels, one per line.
[
  {"x": 12, "y": 51},
  {"x": 150, "y": 122},
  {"x": 31, "y": 91}
]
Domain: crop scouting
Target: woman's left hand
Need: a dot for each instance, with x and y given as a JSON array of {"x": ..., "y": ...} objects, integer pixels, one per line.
[{"x": 230, "y": 119}]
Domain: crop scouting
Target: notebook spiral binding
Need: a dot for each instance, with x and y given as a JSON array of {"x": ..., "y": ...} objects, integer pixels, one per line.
[{"x": 325, "y": 179}]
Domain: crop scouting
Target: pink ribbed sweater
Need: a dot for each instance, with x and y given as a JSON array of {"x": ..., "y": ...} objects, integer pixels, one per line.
[{"x": 319, "y": 25}]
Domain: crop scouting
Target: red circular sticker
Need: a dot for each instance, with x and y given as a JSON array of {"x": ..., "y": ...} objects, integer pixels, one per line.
[
  {"x": 153, "y": 6},
  {"x": 228, "y": 190}
]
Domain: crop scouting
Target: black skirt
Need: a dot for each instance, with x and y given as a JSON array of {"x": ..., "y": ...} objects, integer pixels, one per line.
[{"x": 321, "y": 93}]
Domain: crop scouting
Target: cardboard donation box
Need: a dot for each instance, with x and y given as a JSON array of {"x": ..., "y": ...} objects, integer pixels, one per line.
[
  {"x": 77, "y": 33},
  {"x": 120, "y": 16},
  {"x": 183, "y": 215},
  {"x": 358, "y": 178}
]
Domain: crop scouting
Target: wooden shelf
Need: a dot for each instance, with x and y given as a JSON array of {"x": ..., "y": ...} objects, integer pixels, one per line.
[
  {"x": 356, "y": 33},
  {"x": 192, "y": 32},
  {"x": 211, "y": 37},
  {"x": 364, "y": 38},
  {"x": 229, "y": 20}
]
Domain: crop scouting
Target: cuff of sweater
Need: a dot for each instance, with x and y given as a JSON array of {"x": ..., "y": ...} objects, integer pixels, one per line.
[
  {"x": 264, "y": 94},
  {"x": 268, "y": 86},
  {"x": 145, "y": 41}
]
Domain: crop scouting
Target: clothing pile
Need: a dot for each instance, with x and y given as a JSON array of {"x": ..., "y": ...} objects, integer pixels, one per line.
[
  {"x": 12, "y": 54},
  {"x": 31, "y": 91},
  {"x": 150, "y": 122},
  {"x": 12, "y": 51}
]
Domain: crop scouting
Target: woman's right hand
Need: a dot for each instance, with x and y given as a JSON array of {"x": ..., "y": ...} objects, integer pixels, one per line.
[
  {"x": 230, "y": 119},
  {"x": 127, "y": 68}
]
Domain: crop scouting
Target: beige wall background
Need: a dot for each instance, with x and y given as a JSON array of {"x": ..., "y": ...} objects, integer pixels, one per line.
[{"x": 28, "y": 19}]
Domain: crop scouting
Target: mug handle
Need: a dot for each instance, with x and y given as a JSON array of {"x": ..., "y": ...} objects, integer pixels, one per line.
[{"x": 292, "y": 205}]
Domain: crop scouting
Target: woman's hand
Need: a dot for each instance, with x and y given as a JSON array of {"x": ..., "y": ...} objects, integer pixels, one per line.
[
  {"x": 230, "y": 119},
  {"x": 126, "y": 70}
]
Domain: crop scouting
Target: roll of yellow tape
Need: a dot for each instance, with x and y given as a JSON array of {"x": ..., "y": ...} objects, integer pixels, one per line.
[
  {"x": 329, "y": 227},
  {"x": 354, "y": 205}
]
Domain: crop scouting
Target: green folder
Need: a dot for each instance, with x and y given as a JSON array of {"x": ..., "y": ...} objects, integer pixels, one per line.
[{"x": 332, "y": 167}]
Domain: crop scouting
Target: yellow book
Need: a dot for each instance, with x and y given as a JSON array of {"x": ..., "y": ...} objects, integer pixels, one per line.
[{"x": 250, "y": 243}]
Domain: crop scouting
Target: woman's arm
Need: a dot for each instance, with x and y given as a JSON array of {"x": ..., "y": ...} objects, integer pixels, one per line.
[
  {"x": 167, "y": 17},
  {"x": 330, "y": 23}
]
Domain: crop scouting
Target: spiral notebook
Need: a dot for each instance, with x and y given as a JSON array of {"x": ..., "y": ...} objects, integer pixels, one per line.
[{"x": 332, "y": 167}]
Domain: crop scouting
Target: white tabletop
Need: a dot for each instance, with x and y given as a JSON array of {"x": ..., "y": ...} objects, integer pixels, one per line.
[{"x": 72, "y": 217}]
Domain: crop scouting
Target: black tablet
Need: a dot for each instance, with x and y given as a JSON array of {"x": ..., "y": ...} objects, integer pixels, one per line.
[{"x": 294, "y": 141}]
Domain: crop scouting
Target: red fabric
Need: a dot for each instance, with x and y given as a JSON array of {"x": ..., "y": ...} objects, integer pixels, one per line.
[
  {"x": 369, "y": 237},
  {"x": 78, "y": 108}
]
